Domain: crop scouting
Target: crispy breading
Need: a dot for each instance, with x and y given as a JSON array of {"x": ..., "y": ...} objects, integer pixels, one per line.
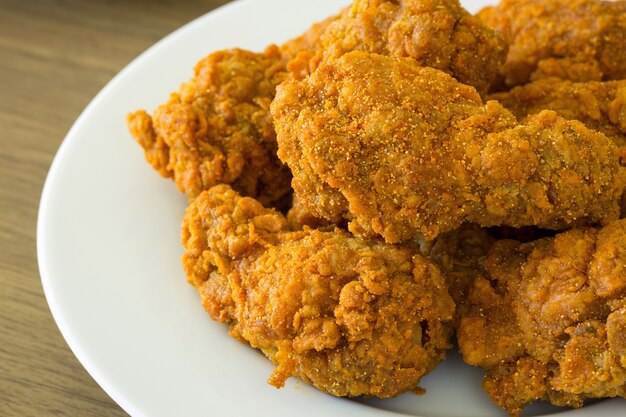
[
  {"x": 599, "y": 105},
  {"x": 580, "y": 40},
  {"x": 299, "y": 216},
  {"x": 217, "y": 128},
  {"x": 539, "y": 315},
  {"x": 435, "y": 33},
  {"x": 404, "y": 149},
  {"x": 546, "y": 319},
  {"x": 348, "y": 315}
]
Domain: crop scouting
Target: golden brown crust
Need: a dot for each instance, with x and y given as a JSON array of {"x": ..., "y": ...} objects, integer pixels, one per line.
[
  {"x": 435, "y": 33},
  {"x": 403, "y": 149},
  {"x": 581, "y": 40},
  {"x": 299, "y": 216},
  {"x": 156, "y": 150},
  {"x": 217, "y": 128},
  {"x": 545, "y": 319},
  {"x": 351, "y": 316},
  {"x": 600, "y": 106}
]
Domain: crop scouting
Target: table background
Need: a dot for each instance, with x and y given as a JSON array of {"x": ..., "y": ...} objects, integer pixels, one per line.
[{"x": 55, "y": 55}]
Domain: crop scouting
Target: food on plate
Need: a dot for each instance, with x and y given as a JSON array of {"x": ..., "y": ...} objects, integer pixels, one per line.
[
  {"x": 579, "y": 40},
  {"x": 435, "y": 33},
  {"x": 599, "y": 105},
  {"x": 349, "y": 315},
  {"x": 217, "y": 128},
  {"x": 399, "y": 149},
  {"x": 547, "y": 319},
  {"x": 413, "y": 207}
]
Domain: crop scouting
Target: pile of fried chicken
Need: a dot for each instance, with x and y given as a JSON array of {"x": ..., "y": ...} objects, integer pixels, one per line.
[{"x": 404, "y": 172}]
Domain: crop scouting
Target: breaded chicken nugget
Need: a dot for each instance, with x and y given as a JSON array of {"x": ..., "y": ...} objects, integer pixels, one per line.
[
  {"x": 579, "y": 40},
  {"x": 399, "y": 149},
  {"x": 348, "y": 315},
  {"x": 435, "y": 33},
  {"x": 547, "y": 319},
  {"x": 217, "y": 128}
]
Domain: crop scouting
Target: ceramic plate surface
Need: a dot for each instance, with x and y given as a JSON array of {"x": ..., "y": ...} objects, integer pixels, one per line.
[{"x": 109, "y": 257}]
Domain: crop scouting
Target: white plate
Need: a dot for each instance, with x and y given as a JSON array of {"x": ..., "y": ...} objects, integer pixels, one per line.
[{"x": 109, "y": 257}]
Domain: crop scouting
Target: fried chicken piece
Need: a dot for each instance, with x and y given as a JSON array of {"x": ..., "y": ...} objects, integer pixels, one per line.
[
  {"x": 580, "y": 40},
  {"x": 435, "y": 33},
  {"x": 348, "y": 315},
  {"x": 547, "y": 319},
  {"x": 600, "y": 106},
  {"x": 217, "y": 128},
  {"x": 406, "y": 150}
]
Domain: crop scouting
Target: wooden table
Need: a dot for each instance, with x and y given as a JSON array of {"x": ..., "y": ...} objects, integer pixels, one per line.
[{"x": 54, "y": 57}]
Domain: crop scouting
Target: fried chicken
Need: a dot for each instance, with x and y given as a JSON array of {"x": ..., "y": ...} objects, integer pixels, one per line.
[
  {"x": 600, "y": 106},
  {"x": 580, "y": 40},
  {"x": 217, "y": 128},
  {"x": 399, "y": 149},
  {"x": 547, "y": 319},
  {"x": 435, "y": 33},
  {"x": 348, "y": 315}
]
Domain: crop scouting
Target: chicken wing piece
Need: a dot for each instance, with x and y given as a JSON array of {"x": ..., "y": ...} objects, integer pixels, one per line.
[
  {"x": 600, "y": 106},
  {"x": 348, "y": 315},
  {"x": 217, "y": 128},
  {"x": 580, "y": 40},
  {"x": 547, "y": 319},
  {"x": 399, "y": 149},
  {"x": 435, "y": 33}
]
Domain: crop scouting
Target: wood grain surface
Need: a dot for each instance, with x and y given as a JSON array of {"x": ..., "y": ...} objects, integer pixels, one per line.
[{"x": 55, "y": 55}]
